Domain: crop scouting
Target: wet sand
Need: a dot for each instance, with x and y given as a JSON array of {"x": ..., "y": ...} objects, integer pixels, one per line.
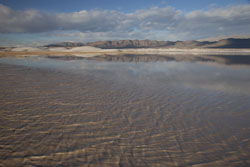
[{"x": 141, "y": 114}]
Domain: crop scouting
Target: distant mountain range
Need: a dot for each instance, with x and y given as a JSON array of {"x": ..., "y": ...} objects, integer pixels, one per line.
[{"x": 121, "y": 44}]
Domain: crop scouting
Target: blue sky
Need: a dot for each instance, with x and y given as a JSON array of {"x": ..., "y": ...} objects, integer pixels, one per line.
[
  {"x": 45, "y": 21},
  {"x": 122, "y": 5}
]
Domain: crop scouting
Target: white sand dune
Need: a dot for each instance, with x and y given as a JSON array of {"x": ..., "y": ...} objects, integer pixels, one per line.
[
  {"x": 84, "y": 49},
  {"x": 58, "y": 49},
  {"x": 75, "y": 49},
  {"x": 27, "y": 49}
]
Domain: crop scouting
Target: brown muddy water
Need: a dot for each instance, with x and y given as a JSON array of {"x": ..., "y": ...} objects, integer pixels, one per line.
[{"x": 90, "y": 113}]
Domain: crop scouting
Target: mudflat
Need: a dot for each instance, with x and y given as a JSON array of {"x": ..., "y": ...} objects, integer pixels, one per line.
[{"x": 98, "y": 113}]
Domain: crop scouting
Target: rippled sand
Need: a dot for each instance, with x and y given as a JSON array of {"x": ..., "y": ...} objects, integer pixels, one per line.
[{"x": 54, "y": 117}]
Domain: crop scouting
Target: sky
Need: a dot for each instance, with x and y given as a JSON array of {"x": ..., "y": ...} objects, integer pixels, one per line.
[{"x": 39, "y": 22}]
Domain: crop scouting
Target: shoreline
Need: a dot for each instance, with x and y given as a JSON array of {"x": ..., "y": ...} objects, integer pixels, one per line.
[
  {"x": 82, "y": 52},
  {"x": 221, "y": 56}
]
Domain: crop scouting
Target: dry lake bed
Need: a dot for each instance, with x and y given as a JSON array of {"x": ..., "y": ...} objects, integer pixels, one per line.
[{"x": 78, "y": 112}]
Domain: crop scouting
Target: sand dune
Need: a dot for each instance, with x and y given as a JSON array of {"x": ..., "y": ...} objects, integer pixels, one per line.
[
  {"x": 27, "y": 49},
  {"x": 74, "y": 49},
  {"x": 85, "y": 49}
]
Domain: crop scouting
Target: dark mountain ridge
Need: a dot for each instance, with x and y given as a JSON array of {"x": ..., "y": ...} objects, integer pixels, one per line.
[{"x": 122, "y": 44}]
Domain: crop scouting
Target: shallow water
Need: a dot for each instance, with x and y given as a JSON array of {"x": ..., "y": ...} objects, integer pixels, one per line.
[{"x": 90, "y": 113}]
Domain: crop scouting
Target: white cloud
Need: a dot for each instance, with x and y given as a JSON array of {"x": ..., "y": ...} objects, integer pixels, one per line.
[
  {"x": 230, "y": 18},
  {"x": 156, "y": 23}
]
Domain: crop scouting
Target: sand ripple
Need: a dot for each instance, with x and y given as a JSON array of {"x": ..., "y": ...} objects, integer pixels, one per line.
[{"x": 53, "y": 118}]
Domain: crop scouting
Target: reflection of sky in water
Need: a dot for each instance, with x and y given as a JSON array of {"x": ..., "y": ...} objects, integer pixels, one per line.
[{"x": 185, "y": 74}]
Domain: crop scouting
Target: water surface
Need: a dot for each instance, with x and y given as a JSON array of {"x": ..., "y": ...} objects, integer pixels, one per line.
[{"x": 91, "y": 113}]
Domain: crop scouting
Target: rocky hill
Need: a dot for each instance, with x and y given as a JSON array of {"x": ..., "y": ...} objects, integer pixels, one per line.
[
  {"x": 66, "y": 44},
  {"x": 229, "y": 43},
  {"x": 130, "y": 44}
]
